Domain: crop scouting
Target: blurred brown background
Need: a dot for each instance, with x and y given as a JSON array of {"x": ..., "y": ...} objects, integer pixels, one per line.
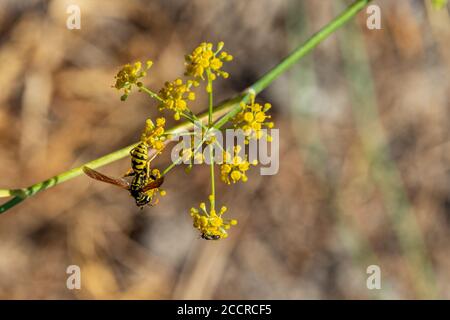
[{"x": 364, "y": 158}]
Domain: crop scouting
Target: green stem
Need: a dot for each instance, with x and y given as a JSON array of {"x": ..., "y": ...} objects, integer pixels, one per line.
[
  {"x": 226, "y": 110},
  {"x": 194, "y": 119},
  {"x": 222, "y": 121},
  {"x": 213, "y": 187},
  {"x": 5, "y": 193},
  {"x": 211, "y": 149},
  {"x": 172, "y": 165},
  {"x": 188, "y": 117},
  {"x": 190, "y": 133},
  {"x": 24, "y": 193},
  {"x": 151, "y": 93},
  {"x": 210, "y": 97}
]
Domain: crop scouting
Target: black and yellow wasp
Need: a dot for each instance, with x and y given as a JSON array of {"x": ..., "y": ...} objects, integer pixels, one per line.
[
  {"x": 143, "y": 182},
  {"x": 210, "y": 237}
]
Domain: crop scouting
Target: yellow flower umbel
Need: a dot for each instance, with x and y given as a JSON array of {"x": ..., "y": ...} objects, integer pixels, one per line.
[
  {"x": 253, "y": 119},
  {"x": 175, "y": 95},
  {"x": 153, "y": 192},
  {"x": 153, "y": 134},
  {"x": 211, "y": 224},
  {"x": 234, "y": 167},
  {"x": 203, "y": 57},
  {"x": 129, "y": 76}
]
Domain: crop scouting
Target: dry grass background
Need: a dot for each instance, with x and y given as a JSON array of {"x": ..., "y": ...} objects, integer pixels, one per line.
[{"x": 308, "y": 232}]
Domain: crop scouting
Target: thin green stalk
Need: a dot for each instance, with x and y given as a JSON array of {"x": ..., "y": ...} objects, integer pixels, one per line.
[
  {"x": 211, "y": 149},
  {"x": 188, "y": 117},
  {"x": 5, "y": 193},
  {"x": 189, "y": 133},
  {"x": 210, "y": 97},
  {"x": 226, "y": 110},
  {"x": 193, "y": 118},
  {"x": 151, "y": 93},
  {"x": 172, "y": 165},
  {"x": 24, "y": 193},
  {"x": 213, "y": 186},
  {"x": 233, "y": 111}
]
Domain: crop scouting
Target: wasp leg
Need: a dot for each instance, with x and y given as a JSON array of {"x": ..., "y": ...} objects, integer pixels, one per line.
[
  {"x": 154, "y": 156},
  {"x": 154, "y": 203},
  {"x": 149, "y": 174},
  {"x": 129, "y": 173},
  {"x": 147, "y": 169}
]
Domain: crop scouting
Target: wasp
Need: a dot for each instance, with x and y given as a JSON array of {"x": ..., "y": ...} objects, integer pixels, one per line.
[
  {"x": 210, "y": 237},
  {"x": 143, "y": 182}
]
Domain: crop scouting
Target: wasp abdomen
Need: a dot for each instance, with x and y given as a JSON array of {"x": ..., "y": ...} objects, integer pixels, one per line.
[
  {"x": 138, "y": 181},
  {"x": 139, "y": 157}
]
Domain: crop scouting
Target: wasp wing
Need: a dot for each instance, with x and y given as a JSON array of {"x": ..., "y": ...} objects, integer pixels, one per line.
[
  {"x": 154, "y": 184},
  {"x": 101, "y": 177}
]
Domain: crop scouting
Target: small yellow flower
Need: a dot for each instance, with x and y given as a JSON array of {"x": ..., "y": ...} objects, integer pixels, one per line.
[
  {"x": 253, "y": 119},
  {"x": 153, "y": 192},
  {"x": 153, "y": 134},
  {"x": 234, "y": 167},
  {"x": 211, "y": 224},
  {"x": 204, "y": 58},
  {"x": 129, "y": 76},
  {"x": 175, "y": 96}
]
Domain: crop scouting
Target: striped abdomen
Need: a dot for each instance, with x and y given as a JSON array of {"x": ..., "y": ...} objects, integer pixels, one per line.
[
  {"x": 139, "y": 157},
  {"x": 138, "y": 182}
]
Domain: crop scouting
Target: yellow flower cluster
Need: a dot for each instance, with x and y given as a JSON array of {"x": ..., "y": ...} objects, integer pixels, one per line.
[
  {"x": 204, "y": 63},
  {"x": 153, "y": 134},
  {"x": 234, "y": 167},
  {"x": 203, "y": 58},
  {"x": 253, "y": 119},
  {"x": 211, "y": 224},
  {"x": 175, "y": 95},
  {"x": 129, "y": 76},
  {"x": 152, "y": 192}
]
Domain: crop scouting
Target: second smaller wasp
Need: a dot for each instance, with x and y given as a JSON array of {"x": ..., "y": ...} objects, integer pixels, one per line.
[{"x": 210, "y": 237}]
